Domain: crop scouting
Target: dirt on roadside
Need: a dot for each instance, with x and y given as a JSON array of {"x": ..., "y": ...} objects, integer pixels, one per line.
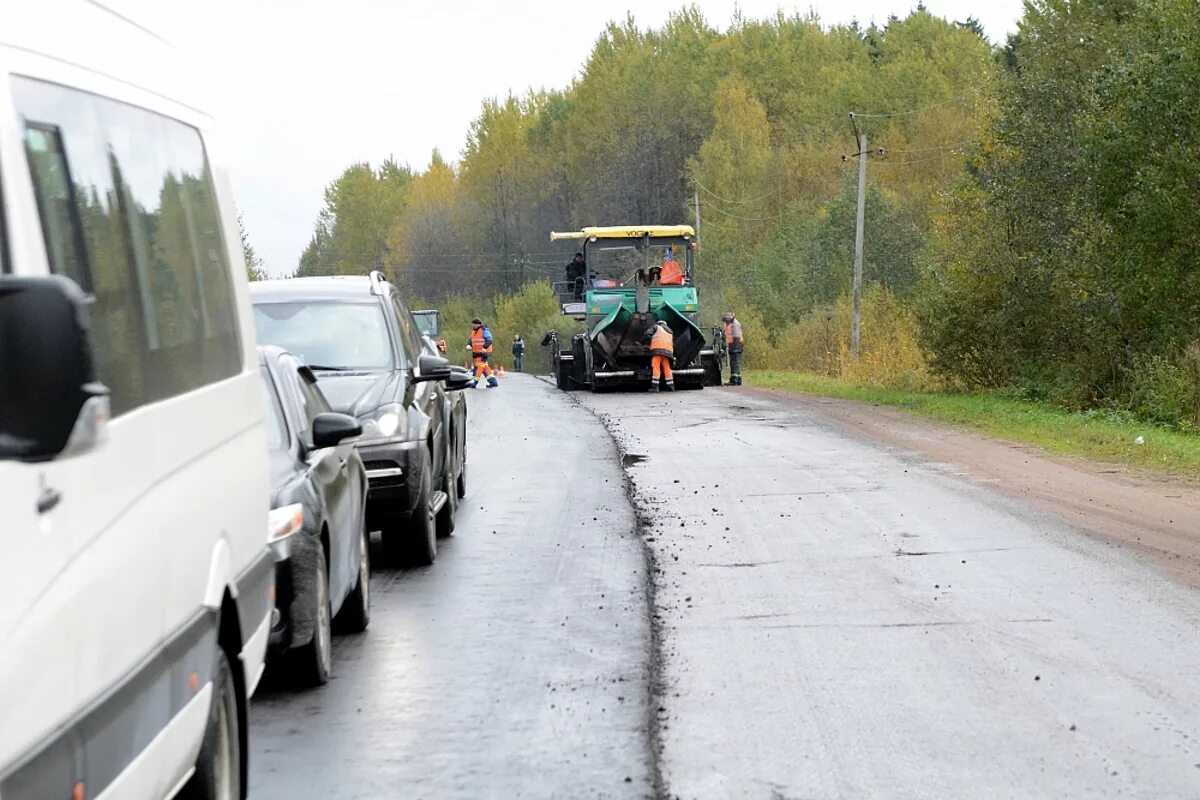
[{"x": 1156, "y": 517}]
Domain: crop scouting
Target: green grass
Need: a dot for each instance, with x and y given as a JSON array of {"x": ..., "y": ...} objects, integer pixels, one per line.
[{"x": 1051, "y": 428}]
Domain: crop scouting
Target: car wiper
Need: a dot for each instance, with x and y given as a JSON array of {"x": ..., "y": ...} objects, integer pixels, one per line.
[{"x": 325, "y": 368}]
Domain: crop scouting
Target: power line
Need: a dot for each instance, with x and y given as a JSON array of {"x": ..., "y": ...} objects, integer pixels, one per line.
[
  {"x": 909, "y": 113},
  {"x": 716, "y": 196}
]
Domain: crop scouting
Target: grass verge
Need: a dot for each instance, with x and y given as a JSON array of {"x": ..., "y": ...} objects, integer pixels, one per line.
[{"x": 1054, "y": 429}]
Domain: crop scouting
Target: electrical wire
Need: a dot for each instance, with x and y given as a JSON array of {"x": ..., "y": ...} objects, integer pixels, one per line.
[
  {"x": 922, "y": 110},
  {"x": 716, "y": 196}
]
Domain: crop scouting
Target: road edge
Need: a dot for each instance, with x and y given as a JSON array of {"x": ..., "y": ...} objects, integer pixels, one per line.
[{"x": 656, "y": 683}]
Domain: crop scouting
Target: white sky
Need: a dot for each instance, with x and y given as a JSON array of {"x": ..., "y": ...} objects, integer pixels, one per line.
[{"x": 304, "y": 88}]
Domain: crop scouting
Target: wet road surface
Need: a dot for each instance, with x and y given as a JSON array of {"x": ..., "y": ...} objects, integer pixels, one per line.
[
  {"x": 515, "y": 666},
  {"x": 841, "y": 619},
  {"x": 832, "y": 618}
]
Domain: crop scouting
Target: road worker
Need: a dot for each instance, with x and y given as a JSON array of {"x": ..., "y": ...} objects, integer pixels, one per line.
[
  {"x": 481, "y": 353},
  {"x": 576, "y": 272},
  {"x": 670, "y": 274},
  {"x": 518, "y": 351},
  {"x": 734, "y": 345},
  {"x": 662, "y": 353}
]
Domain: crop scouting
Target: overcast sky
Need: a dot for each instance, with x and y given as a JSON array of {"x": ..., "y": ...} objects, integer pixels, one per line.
[{"x": 303, "y": 88}]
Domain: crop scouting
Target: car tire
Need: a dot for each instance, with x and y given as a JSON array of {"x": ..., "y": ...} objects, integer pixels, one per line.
[
  {"x": 460, "y": 485},
  {"x": 355, "y": 615},
  {"x": 312, "y": 663},
  {"x": 445, "y": 517},
  {"x": 218, "y": 772},
  {"x": 420, "y": 540}
]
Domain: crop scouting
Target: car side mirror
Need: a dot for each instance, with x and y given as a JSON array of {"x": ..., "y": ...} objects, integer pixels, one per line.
[
  {"x": 329, "y": 429},
  {"x": 459, "y": 379},
  {"x": 431, "y": 368},
  {"x": 51, "y": 404}
]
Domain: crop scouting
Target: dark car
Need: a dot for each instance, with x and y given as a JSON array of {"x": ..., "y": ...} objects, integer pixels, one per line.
[
  {"x": 361, "y": 341},
  {"x": 456, "y": 433},
  {"x": 317, "y": 525}
]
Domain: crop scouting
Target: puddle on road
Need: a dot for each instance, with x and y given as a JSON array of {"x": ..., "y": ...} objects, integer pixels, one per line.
[{"x": 629, "y": 459}]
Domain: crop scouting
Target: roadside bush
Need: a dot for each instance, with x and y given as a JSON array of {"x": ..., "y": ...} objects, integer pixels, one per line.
[
  {"x": 1162, "y": 391},
  {"x": 530, "y": 312},
  {"x": 1191, "y": 363},
  {"x": 890, "y": 354}
]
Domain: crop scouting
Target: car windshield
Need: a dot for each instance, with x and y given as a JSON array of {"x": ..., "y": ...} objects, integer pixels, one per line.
[
  {"x": 276, "y": 427},
  {"x": 427, "y": 323},
  {"x": 327, "y": 335}
]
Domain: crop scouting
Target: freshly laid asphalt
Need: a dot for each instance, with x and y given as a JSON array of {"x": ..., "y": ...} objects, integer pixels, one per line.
[
  {"x": 826, "y": 617},
  {"x": 515, "y": 666}
]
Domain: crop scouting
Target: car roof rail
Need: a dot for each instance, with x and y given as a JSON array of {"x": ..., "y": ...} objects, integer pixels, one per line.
[{"x": 377, "y": 281}]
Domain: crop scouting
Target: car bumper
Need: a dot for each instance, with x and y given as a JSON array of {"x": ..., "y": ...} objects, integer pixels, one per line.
[
  {"x": 391, "y": 468},
  {"x": 295, "y": 572}
]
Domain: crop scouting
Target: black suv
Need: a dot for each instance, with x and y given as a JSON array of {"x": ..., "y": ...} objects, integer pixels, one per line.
[{"x": 361, "y": 341}]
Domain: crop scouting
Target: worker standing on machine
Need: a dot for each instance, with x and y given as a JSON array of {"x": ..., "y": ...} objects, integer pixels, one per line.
[
  {"x": 735, "y": 346},
  {"x": 662, "y": 353},
  {"x": 481, "y": 353},
  {"x": 576, "y": 272},
  {"x": 671, "y": 274}
]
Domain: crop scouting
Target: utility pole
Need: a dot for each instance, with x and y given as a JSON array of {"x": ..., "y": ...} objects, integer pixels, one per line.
[
  {"x": 861, "y": 138},
  {"x": 696, "y": 200}
]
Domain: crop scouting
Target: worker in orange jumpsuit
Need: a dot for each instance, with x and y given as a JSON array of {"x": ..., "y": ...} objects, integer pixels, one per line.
[
  {"x": 662, "y": 353},
  {"x": 481, "y": 353},
  {"x": 670, "y": 274}
]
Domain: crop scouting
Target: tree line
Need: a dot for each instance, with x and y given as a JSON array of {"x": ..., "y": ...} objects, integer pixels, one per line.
[{"x": 1030, "y": 219}]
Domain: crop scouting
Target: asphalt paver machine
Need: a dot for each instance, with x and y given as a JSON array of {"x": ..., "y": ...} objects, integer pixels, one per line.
[{"x": 620, "y": 298}]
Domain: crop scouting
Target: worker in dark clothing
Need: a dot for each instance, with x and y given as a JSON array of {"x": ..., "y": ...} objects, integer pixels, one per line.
[
  {"x": 734, "y": 345},
  {"x": 576, "y": 273},
  {"x": 518, "y": 350}
]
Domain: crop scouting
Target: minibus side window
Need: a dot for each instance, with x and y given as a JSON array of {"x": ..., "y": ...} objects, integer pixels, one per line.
[{"x": 128, "y": 210}]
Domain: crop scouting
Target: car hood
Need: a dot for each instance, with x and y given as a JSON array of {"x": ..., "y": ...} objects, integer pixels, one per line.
[{"x": 358, "y": 394}]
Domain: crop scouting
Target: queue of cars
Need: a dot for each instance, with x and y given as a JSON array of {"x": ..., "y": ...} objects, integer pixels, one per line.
[
  {"x": 149, "y": 449},
  {"x": 343, "y": 360}
]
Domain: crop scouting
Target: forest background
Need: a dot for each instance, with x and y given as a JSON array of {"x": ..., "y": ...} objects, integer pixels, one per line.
[{"x": 1032, "y": 224}]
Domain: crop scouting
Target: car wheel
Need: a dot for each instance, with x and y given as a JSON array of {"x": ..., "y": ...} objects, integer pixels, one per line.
[
  {"x": 356, "y": 610},
  {"x": 445, "y": 517},
  {"x": 461, "y": 483},
  {"x": 218, "y": 774},
  {"x": 313, "y": 662},
  {"x": 421, "y": 538}
]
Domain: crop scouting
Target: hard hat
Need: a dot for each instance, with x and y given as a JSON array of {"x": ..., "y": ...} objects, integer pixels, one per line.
[{"x": 477, "y": 321}]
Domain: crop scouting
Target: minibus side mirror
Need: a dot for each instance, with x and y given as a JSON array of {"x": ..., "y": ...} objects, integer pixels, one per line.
[{"x": 51, "y": 404}]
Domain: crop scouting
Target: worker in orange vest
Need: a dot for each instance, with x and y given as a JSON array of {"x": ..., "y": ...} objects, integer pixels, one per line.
[
  {"x": 734, "y": 345},
  {"x": 670, "y": 274},
  {"x": 481, "y": 353},
  {"x": 662, "y": 353}
]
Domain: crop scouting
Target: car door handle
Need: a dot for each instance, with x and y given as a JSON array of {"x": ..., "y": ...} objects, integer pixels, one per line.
[{"x": 48, "y": 499}]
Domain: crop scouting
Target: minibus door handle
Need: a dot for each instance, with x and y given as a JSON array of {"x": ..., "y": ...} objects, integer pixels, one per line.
[{"x": 48, "y": 499}]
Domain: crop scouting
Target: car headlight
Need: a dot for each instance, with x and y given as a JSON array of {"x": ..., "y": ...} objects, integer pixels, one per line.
[
  {"x": 388, "y": 422},
  {"x": 384, "y": 422},
  {"x": 284, "y": 521}
]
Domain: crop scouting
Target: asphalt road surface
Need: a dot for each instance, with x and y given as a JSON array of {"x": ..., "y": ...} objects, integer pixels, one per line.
[{"x": 827, "y": 616}]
